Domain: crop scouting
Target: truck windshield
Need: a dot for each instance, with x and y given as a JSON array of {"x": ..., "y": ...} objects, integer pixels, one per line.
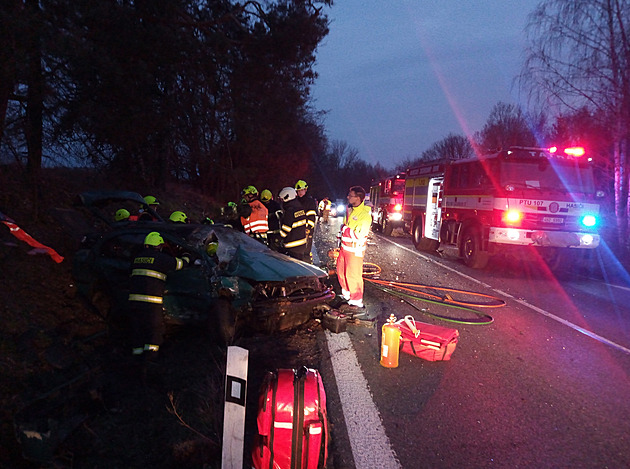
[
  {"x": 563, "y": 175},
  {"x": 399, "y": 186}
]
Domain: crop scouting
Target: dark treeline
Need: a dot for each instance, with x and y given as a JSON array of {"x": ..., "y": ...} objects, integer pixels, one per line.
[{"x": 211, "y": 93}]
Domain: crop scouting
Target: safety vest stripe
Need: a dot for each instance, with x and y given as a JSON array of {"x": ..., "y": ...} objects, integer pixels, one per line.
[
  {"x": 145, "y": 298},
  {"x": 149, "y": 273},
  {"x": 292, "y": 244}
]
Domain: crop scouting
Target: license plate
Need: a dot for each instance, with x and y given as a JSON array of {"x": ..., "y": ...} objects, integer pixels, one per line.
[{"x": 553, "y": 220}]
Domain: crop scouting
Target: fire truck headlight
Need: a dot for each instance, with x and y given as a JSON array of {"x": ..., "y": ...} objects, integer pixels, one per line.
[
  {"x": 512, "y": 216},
  {"x": 589, "y": 220},
  {"x": 396, "y": 216},
  {"x": 586, "y": 240},
  {"x": 398, "y": 207},
  {"x": 512, "y": 235}
]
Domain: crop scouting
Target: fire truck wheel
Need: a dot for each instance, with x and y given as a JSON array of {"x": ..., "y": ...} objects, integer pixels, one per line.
[
  {"x": 421, "y": 242},
  {"x": 386, "y": 228},
  {"x": 471, "y": 251}
]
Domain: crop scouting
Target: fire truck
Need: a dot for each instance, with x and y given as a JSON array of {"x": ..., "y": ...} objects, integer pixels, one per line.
[
  {"x": 522, "y": 200},
  {"x": 386, "y": 199}
]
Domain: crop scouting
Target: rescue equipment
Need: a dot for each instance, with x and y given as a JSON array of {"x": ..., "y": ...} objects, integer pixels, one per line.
[
  {"x": 390, "y": 343},
  {"x": 292, "y": 421},
  {"x": 22, "y": 235},
  {"x": 426, "y": 341},
  {"x": 335, "y": 321}
]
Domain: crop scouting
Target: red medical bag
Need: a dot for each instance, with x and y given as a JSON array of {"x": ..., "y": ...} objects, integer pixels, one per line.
[
  {"x": 427, "y": 341},
  {"x": 292, "y": 421}
]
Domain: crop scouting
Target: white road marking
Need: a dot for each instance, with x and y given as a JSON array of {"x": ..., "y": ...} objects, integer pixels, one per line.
[
  {"x": 588, "y": 333},
  {"x": 370, "y": 445}
]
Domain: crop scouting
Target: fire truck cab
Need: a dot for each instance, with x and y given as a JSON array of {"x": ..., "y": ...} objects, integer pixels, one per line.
[
  {"x": 526, "y": 200},
  {"x": 386, "y": 198}
]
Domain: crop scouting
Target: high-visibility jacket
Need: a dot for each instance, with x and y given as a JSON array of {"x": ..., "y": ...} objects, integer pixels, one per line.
[
  {"x": 355, "y": 230},
  {"x": 310, "y": 209},
  {"x": 148, "y": 275},
  {"x": 293, "y": 228},
  {"x": 257, "y": 222}
]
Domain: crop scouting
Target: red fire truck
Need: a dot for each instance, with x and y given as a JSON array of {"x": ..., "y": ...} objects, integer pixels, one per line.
[
  {"x": 386, "y": 199},
  {"x": 521, "y": 200}
]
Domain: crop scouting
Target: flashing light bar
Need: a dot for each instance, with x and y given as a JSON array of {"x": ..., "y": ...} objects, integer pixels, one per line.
[{"x": 569, "y": 151}]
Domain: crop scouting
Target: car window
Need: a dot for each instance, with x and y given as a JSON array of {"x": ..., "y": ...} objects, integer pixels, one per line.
[{"x": 124, "y": 247}]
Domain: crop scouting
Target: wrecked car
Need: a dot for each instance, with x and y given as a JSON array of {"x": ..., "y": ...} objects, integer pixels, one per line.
[{"x": 233, "y": 283}]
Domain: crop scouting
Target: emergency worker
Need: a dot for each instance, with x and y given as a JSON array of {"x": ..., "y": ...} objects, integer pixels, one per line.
[
  {"x": 255, "y": 224},
  {"x": 293, "y": 228},
  {"x": 274, "y": 216},
  {"x": 152, "y": 202},
  {"x": 148, "y": 280},
  {"x": 324, "y": 209},
  {"x": 310, "y": 209},
  {"x": 354, "y": 234},
  {"x": 229, "y": 216},
  {"x": 122, "y": 215},
  {"x": 178, "y": 217}
]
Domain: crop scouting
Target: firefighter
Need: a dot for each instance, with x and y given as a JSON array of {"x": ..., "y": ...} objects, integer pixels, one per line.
[
  {"x": 152, "y": 202},
  {"x": 293, "y": 228},
  {"x": 178, "y": 217},
  {"x": 147, "y": 283},
  {"x": 274, "y": 215},
  {"x": 122, "y": 215},
  {"x": 324, "y": 209},
  {"x": 310, "y": 209},
  {"x": 354, "y": 234},
  {"x": 229, "y": 216},
  {"x": 255, "y": 224}
]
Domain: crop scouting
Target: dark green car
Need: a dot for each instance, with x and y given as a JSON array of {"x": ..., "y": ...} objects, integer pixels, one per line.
[{"x": 243, "y": 286}]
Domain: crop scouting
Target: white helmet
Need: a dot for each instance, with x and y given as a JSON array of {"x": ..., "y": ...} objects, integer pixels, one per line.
[{"x": 288, "y": 193}]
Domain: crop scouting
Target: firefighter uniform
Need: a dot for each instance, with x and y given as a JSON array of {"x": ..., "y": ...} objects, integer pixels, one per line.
[
  {"x": 293, "y": 227},
  {"x": 148, "y": 280},
  {"x": 354, "y": 234},
  {"x": 274, "y": 216},
  {"x": 310, "y": 209}
]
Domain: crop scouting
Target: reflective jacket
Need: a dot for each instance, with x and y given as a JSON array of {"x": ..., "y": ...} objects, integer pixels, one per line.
[
  {"x": 148, "y": 275},
  {"x": 310, "y": 209},
  {"x": 355, "y": 230},
  {"x": 293, "y": 228},
  {"x": 257, "y": 221}
]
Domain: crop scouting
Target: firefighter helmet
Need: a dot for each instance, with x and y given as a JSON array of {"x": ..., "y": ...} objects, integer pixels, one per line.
[
  {"x": 154, "y": 239},
  {"x": 121, "y": 214},
  {"x": 266, "y": 195},
  {"x": 150, "y": 200},
  {"x": 288, "y": 193},
  {"x": 178, "y": 217},
  {"x": 249, "y": 190},
  {"x": 301, "y": 185}
]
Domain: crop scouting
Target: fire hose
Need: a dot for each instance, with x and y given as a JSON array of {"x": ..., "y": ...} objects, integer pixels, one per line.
[{"x": 410, "y": 292}]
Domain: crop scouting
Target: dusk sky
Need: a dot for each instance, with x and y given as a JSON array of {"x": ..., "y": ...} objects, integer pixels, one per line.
[{"x": 397, "y": 76}]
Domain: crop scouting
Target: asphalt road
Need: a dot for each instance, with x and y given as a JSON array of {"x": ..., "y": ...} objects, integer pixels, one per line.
[{"x": 546, "y": 384}]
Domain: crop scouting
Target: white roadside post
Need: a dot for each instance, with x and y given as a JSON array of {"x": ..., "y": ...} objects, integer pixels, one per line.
[{"x": 234, "y": 412}]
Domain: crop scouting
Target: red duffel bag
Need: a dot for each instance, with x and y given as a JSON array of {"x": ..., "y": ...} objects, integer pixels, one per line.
[
  {"x": 292, "y": 421},
  {"x": 427, "y": 341}
]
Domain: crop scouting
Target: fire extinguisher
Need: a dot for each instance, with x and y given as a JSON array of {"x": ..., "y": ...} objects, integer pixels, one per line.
[{"x": 390, "y": 343}]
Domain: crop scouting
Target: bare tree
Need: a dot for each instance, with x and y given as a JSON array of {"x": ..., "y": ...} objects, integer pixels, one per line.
[
  {"x": 507, "y": 125},
  {"x": 579, "y": 56}
]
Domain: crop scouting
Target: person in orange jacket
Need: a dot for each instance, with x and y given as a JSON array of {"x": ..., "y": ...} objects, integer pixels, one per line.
[{"x": 255, "y": 224}]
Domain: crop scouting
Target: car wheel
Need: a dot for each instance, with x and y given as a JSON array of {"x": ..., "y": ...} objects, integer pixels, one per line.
[{"x": 471, "y": 251}]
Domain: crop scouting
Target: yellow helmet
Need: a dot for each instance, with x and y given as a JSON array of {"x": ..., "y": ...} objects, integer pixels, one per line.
[
  {"x": 150, "y": 200},
  {"x": 121, "y": 214},
  {"x": 266, "y": 195},
  {"x": 301, "y": 185},
  {"x": 178, "y": 217},
  {"x": 154, "y": 239},
  {"x": 249, "y": 190}
]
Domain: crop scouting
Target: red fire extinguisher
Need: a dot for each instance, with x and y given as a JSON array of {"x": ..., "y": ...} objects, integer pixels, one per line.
[{"x": 390, "y": 343}]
